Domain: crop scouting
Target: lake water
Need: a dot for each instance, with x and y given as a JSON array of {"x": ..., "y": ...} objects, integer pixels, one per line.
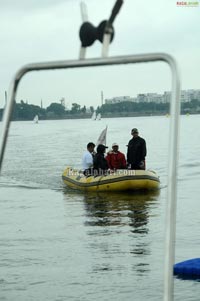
[{"x": 57, "y": 244}]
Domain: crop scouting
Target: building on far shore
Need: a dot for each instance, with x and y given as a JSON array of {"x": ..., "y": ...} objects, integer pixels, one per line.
[
  {"x": 118, "y": 99},
  {"x": 186, "y": 96}
]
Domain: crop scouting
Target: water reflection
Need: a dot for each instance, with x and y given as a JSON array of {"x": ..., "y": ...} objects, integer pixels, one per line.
[
  {"x": 130, "y": 213},
  {"x": 120, "y": 209},
  {"x": 117, "y": 227}
]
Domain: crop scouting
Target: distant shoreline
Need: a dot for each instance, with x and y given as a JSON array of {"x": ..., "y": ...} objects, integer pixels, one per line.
[{"x": 108, "y": 115}]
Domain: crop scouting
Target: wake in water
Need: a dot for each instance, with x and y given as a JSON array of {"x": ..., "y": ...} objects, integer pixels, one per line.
[{"x": 53, "y": 184}]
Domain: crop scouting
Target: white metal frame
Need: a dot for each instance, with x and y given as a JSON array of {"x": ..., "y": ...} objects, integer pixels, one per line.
[{"x": 173, "y": 139}]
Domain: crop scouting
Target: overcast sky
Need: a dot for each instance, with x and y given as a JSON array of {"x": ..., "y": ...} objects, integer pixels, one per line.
[{"x": 48, "y": 30}]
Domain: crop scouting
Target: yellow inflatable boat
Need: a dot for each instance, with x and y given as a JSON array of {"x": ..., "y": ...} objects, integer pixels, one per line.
[{"x": 120, "y": 180}]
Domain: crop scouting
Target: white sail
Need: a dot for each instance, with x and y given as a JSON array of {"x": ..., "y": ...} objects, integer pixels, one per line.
[
  {"x": 94, "y": 115},
  {"x": 35, "y": 119},
  {"x": 99, "y": 116},
  {"x": 102, "y": 137}
]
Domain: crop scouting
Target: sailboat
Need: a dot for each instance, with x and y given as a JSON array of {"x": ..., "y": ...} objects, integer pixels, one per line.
[
  {"x": 36, "y": 119},
  {"x": 102, "y": 137},
  {"x": 98, "y": 116},
  {"x": 94, "y": 115}
]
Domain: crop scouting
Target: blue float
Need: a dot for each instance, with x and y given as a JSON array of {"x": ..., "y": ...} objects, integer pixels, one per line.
[{"x": 188, "y": 269}]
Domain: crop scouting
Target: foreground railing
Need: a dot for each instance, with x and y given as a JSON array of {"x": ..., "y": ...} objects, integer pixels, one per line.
[{"x": 173, "y": 139}]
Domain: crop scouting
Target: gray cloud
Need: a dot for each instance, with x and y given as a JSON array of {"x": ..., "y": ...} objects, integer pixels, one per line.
[{"x": 33, "y": 31}]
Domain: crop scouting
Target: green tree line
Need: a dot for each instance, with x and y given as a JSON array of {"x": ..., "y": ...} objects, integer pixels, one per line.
[
  {"x": 147, "y": 108},
  {"x": 25, "y": 111}
]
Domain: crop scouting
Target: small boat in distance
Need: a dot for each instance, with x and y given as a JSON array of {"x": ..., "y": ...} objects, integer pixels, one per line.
[
  {"x": 94, "y": 116},
  {"x": 98, "y": 116},
  {"x": 36, "y": 119}
]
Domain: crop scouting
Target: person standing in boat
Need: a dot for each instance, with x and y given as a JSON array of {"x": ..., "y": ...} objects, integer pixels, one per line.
[
  {"x": 87, "y": 160},
  {"x": 100, "y": 163},
  {"x": 116, "y": 159},
  {"x": 137, "y": 151}
]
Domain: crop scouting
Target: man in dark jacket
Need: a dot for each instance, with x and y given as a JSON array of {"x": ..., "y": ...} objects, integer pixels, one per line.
[
  {"x": 100, "y": 163},
  {"x": 136, "y": 151}
]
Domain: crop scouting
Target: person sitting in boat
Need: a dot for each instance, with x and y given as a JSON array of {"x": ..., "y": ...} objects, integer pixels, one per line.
[
  {"x": 137, "y": 151},
  {"x": 100, "y": 163},
  {"x": 116, "y": 159},
  {"x": 87, "y": 160}
]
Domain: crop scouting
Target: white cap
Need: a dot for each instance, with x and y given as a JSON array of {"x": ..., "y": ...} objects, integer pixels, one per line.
[{"x": 115, "y": 144}]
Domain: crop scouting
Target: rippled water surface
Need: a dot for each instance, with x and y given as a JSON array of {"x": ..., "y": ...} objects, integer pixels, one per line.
[{"x": 58, "y": 244}]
